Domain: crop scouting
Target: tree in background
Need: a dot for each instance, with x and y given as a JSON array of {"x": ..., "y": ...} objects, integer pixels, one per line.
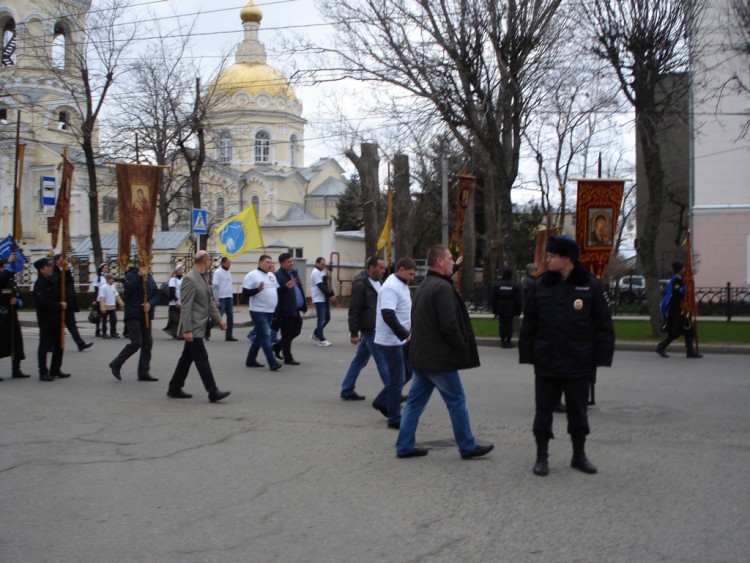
[{"x": 349, "y": 207}]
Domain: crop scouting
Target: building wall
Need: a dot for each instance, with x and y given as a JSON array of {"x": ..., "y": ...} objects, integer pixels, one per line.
[{"x": 721, "y": 156}]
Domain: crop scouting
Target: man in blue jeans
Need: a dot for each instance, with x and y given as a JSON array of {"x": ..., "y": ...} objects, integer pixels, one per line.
[
  {"x": 392, "y": 325},
  {"x": 221, "y": 285},
  {"x": 442, "y": 342},
  {"x": 362, "y": 309},
  {"x": 322, "y": 296},
  {"x": 261, "y": 287}
]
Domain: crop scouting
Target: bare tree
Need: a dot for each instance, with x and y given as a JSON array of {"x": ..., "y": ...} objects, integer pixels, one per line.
[
  {"x": 367, "y": 167},
  {"x": 153, "y": 114},
  {"x": 644, "y": 41},
  {"x": 403, "y": 207},
  {"x": 93, "y": 63},
  {"x": 476, "y": 63}
]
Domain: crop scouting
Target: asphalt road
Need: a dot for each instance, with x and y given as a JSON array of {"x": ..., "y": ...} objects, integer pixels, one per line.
[{"x": 96, "y": 470}]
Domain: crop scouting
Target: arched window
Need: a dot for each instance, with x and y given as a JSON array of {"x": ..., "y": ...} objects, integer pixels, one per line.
[
  {"x": 293, "y": 151},
  {"x": 59, "y": 47},
  {"x": 262, "y": 147},
  {"x": 220, "y": 208},
  {"x": 225, "y": 147},
  {"x": 255, "y": 200},
  {"x": 9, "y": 43}
]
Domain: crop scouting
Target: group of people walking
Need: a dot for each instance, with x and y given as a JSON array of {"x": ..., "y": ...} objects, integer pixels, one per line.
[{"x": 566, "y": 333}]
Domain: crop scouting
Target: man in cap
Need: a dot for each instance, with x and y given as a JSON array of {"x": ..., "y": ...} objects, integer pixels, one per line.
[
  {"x": 676, "y": 323},
  {"x": 567, "y": 333},
  {"x": 49, "y": 309},
  {"x": 58, "y": 270}
]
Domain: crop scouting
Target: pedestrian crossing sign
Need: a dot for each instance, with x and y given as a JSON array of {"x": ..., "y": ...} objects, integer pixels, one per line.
[{"x": 200, "y": 221}]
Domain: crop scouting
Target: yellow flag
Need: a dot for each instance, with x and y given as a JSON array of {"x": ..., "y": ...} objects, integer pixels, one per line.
[
  {"x": 240, "y": 233},
  {"x": 385, "y": 236}
]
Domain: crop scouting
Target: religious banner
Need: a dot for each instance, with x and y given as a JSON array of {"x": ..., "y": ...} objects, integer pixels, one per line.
[
  {"x": 466, "y": 183},
  {"x": 597, "y": 211},
  {"x": 137, "y": 192},
  {"x": 540, "y": 250},
  {"x": 62, "y": 208}
]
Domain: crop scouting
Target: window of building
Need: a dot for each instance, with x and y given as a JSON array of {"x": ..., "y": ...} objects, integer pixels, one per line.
[
  {"x": 3, "y": 116},
  {"x": 255, "y": 200},
  {"x": 59, "y": 47},
  {"x": 220, "y": 208},
  {"x": 293, "y": 151},
  {"x": 62, "y": 120},
  {"x": 262, "y": 147},
  {"x": 9, "y": 43},
  {"x": 225, "y": 147},
  {"x": 109, "y": 209},
  {"x": 297, "y": 252}
]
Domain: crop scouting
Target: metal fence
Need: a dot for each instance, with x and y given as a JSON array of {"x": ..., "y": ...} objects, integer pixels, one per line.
[{"x": 727, "y": 301}]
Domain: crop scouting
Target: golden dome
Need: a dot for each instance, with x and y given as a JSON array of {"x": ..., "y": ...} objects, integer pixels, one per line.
[
  {"x": 251, "y": 13},
  {"x": 254, "y": 78}
]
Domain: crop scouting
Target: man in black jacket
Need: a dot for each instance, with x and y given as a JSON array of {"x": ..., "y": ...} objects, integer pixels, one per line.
[
  {"x": 139, "y": 331},
  {"x": 362, "y": 309},
  {"x": 506, "y": 304},
  {"x": 49, "y": 308},
  {"x": 70, "y": 298},
  {"x": 442, "y": 342},
  {"x": 291, "y": 302},
  {"x": 566, "y": 333}
]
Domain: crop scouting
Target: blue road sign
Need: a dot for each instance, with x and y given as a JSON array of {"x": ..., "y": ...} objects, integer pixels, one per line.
[{"x": 200, "y": 221}]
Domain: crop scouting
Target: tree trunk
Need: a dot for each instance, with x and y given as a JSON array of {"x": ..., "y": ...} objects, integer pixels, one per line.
[
  {"x": 88, "y": 151},
  {"x": 367, "y": 167},
  {"x": 403, "y": 208},
  {"x": 646, "y": 242}
]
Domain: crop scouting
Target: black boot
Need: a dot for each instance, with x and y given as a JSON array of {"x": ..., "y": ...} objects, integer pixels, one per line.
[
  {"x": 579, "y": 460},
  {"x": 541, "y": 466},
  {"x": 17, "y": 373}
]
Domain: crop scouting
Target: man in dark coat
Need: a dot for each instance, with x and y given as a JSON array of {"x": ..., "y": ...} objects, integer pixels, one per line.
[
  {"x": 11, "y": 339},
  {"x": 70, "y": 298},
  {"x": 363, "y": 307},
  {"x": 291, "y": 302},
  {"x": 567, "y": 333},
  {"x": 442, "y": 342},
  {"x": 136, "y": 309},
  {"x": 506, "y": 304},
  {"x": 49, "y": 309},
  {"x": 676, "y": 324}
]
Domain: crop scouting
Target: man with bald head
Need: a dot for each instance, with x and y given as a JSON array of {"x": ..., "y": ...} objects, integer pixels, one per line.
[{"x": 196, "y": 310}]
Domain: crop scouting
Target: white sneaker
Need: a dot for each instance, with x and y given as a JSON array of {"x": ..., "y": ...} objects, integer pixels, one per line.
[
  {"x": 314, "y": 338},
  {"x": 324, "y": 343}
]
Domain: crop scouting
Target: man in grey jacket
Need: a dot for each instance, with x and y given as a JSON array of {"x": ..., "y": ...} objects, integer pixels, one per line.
[{"x": 197, "y": 308}]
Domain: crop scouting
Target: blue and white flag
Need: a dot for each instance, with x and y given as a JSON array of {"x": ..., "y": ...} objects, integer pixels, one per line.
[{"x": 6, "y": 246}]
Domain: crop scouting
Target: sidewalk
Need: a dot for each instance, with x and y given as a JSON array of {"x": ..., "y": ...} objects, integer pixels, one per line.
[{"x": 338, "y": 319}]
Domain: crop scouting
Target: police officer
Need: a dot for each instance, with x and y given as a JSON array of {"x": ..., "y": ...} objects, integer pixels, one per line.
[
  {"x": 567, "y": 333},
  {"x": 49, "y": 310}
]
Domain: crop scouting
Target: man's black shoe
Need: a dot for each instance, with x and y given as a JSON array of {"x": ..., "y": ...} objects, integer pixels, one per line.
[
  {"x": 148, "y": 378},
  {"x": 85, "y": 346},
  {"x": 694, "y": 355},
  {"x": 18, "y": 374},
  {"x": 255, "y": 365},
  {"x": 178, "y": 394},
  {"x": 60, "y": 375},
  {"x": 116, "y": 336},
  {"x": 381, "y": 410},
  {"x": 416, "y": 452},
  {"x": 583, "y": 464},
  {"x": 352, "y": 397},
  {"x": 661, "y": 351},
  {"x": 541, "y": 468},
  {"x": 291, "y": 363},
  {"x": 479, "y": 451},
  {"x": 230, "y": 339},
  {"x": 277, "y": 352},
  {"x": 394, "y": 425},
  {"x": 46, "y": 377},
  {"x": 275, "y": 367},
  {"x": 115, "y": 372},
  {"x": 216, "y": 396}
]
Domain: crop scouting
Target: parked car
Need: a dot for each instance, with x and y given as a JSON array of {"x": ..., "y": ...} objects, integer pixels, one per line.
[{"x": 633, "y": 286}]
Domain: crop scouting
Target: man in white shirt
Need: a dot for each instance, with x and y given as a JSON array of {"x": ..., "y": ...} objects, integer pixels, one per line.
[
  {"x": 221, "y": 285},
  {"x": 322, "y": 294},
  {"x": 262, "y": 288},
  {"x": 392, "y": 326}
]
